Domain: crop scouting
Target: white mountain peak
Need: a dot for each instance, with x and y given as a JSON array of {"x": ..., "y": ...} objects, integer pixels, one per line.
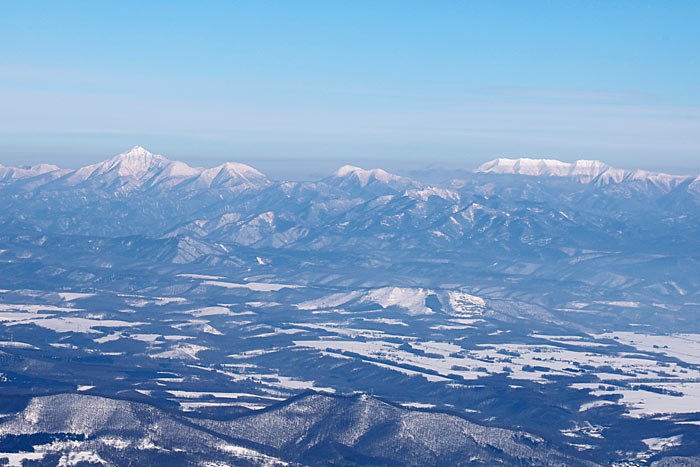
[
  {"x": 243, "y": 170},
  {"x": 136, "y": 151},
  {"x": 135, "y": 163},
  {"x": 365, "y": 176},
  {"x": 345, "y": 170},
  {"x": 137, "y": 160},
  {"x": 229, "y": 174}
]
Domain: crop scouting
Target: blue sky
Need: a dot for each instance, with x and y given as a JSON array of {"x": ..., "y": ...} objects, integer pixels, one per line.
[{"x": 395, "y": 84}]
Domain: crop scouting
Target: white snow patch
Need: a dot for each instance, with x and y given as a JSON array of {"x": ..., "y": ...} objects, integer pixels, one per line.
[
  {"x": 200, "y": 276},
  {"x": 330, "y": 301},
  {"x": 410, "y": 299},
  {"x": 17, "y": 345},
  {"x": 418, "y": 405},
  {"x": 181, "y": 352},
  {"x": 254, "y": 286},
  {"x": 70, "y": 296},
  {"x": 211, "y": 311},
  {"x": 660, "y": 444},
  {"x": 16, "y": 459},
  {"x": 70, "y": 324}
]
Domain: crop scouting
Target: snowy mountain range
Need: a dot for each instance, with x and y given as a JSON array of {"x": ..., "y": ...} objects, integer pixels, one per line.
[
  {"x": 137, "y": 169},
  {"x": 140, "y": 168},
  {"x": 533, "y": 312},
  {"x": 139, "y": 193},
  {"x": 584, "y": 171}
]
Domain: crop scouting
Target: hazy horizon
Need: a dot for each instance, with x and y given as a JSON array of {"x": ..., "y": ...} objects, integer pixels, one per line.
[
  {"x": 402, "y": 84},
  {"x": 298, "y": 169}
]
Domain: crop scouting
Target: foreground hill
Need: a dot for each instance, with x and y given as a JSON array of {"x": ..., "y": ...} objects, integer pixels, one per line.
[{"x": 311, "y": 429}]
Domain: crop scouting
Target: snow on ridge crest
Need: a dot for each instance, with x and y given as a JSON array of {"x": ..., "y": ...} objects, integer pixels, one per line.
[
  {"x": 230, "y": 173},
  {"x": 43, "y": 168},
  {"x": 551, "y": 167},
  {"x": 16, "y": 173},
  {"x": 583, "y": 170},
  {"x": 425, "y": 193},
  {"x": 139, "y": 167},
  {"x": 365, "y": 176},
  {"x": 240, "y": 170}
]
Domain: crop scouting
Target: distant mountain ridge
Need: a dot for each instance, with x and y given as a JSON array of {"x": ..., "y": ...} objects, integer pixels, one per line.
[
  {"x": 138, "y": 167},
  {"x": 584, "y": 171},
  {"x": 9, "y": 174},
  {"x": 586, "y": 204}
]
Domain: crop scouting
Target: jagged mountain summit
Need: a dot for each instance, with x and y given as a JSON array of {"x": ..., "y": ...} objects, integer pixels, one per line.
[
  {"x": 135, "y": 166},
  {"x": 136, "y": 162},
  {"x": 349, "y": 176},
  {"x": 135, "y": 169}
]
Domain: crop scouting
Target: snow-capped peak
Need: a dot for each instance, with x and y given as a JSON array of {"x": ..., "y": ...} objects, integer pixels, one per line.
[
  {"x": 230, "y": 173},
  {"x": 140, "y": 168},
  {"x": 584, "y": 171},
  {"x": 16, "y": 173},
  {"x": 137, "y": 161},
  {"x": 240, "y": 170},
  {"x": 136, "y": 151},
  {"x": 366, "y": 176}
]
